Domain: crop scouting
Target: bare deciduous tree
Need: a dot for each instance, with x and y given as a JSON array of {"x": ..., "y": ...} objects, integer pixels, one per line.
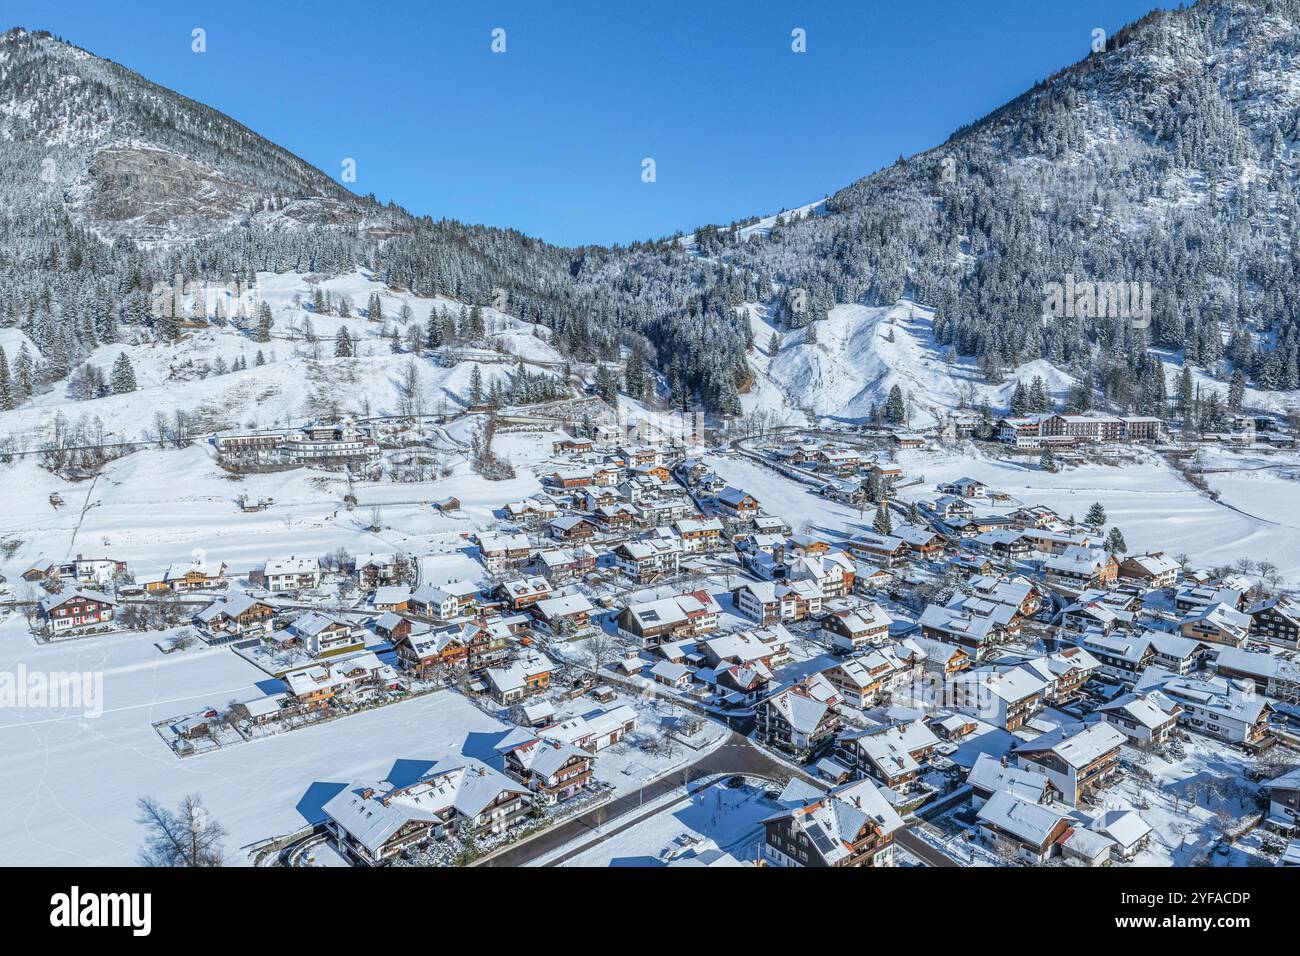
[{"x": 187, "y": 836}]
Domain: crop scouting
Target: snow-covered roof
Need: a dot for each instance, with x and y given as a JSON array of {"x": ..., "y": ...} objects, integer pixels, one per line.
[
  {"x": 990, "y": 775},
  {"x": 1125, "y": 827},
  {"x": 1077, "y": 746},
  {"x": 1030, "y": 822}
]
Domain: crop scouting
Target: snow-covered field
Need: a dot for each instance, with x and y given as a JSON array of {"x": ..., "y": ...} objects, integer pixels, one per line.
[
  {"x": 1151, "y": 503},
  {"x": 158, "y": 507},
  {"x": 1148, "y": 501},
  {"x": 72, "y": 781}
]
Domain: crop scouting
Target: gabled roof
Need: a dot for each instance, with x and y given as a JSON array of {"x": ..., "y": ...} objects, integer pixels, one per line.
[
  {"x": 1125, "y": 827},
  {"x": 51, "y": 601},
  {"x": 1030, "y": 822},
  {"x": 990, "y": 775},
  {"x": 373, "y": 812},
  {"x": 1076, "y": 745}
]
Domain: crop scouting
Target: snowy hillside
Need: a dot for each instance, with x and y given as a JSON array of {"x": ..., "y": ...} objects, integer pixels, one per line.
[
  {"x": 861, "y": 352},
  {"x": 300, "y": 379}
]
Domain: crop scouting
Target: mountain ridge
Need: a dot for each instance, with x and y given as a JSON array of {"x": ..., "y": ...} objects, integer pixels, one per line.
[{"x": 1167, "y": 159}]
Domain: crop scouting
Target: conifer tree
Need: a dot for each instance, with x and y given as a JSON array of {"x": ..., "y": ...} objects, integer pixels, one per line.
[
  {"x": 882, "y": 524},
  {"x": 343, "y": 346},
  {"x": 123, "y": 377}
]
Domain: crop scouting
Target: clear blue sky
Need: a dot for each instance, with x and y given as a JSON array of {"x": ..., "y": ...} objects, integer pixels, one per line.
[{"x": 549, "y": 137}]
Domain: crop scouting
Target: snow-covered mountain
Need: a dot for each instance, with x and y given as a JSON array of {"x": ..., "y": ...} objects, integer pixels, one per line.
[{"x": 1167, "y": 159}]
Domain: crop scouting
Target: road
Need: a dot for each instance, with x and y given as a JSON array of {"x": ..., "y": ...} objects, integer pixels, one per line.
[{"x": 736, "y": 755}]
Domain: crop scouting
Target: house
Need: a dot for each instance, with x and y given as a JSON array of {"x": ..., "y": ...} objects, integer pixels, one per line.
[
  {"x": 794, "y": 720},
  {"x": 377, "y": 570},
  {"x": 861, "y": 679},
  {"x": 1214, "y": 708},
  {"x": 373, "y": 823},
  {"x": 391, "y": 597},
  {"x": 893, "y": 756},
  {"x": 650, "y": 559},
  {"x": 1005, "y": 544},
  {"x": 1017, "y": 591},
  {"x": 391, "y": 626},
  {"x": 237, "y": 614},
  {"x": 570, "y": 478},
  {"x": 98, "y": 573},
  {"x": 760, "y": 601},
  {"x": 1147, "y": 719},
  {"x": 1276, "y": 619},
  {"x": 528, "y": 675},
  {"x": 1078, "y": 760},
  {"x": 954, "y": 626},
  {"x": 868, "y": 579},
  {"x": 852, "y": 825},
  {"x": 196, "y": 576},
  {"x": 522, "y": 592},
  {"x": 1129, "y": 831},
  {"x": 1218, "y": 623},
  {"x": 1121, "y": 656},
  {"x": 883, "y": 550},
  {"x": 921, "y": 542},
  {"x": 500, "y": 551},
  {"x": 1193, "y": 596},
  {"x": 288, "y": 574},
  {"x": 552, "y": 770},
  {"x": 941, "y": 657},
  {"x": 853, "y": 629},
  {"x": 952, "y": 507},
  {"x": 671, "y": 674},
  {"x": 1284, "y": 802},
  {"x": 350, "y": 679},
  {"x": 1155, "y": 570},
  {"x": 965, "y": 488},
  {"x": 1006, "y": 619},
  {"x": 1064, "y": 672},
  {"x": 564, "y": 617},
  {"x": 989, "y": 775},
  {"x": 1181, "y": 655},
  {"x": 737, "y": 504},
  {"x": 76, "y": 610},
  {"x": 571, "y": 528},
  {"x": 1019, "y": 827},
  {"x": 572, "y": 446},
  {"x": 1087, "y": 846},
  {"x": 669, "y": 619},
  {"x": 699, "y": 535},
  {"x": 953, "y": 727},
  {"x": 423, "y": 651},
  {"x": 1093, "y": 614},
  {"x": 531, "y": 511},
  {"x": 1006, "y": 699},
  {"x": 445, "y": 602},
  {"x": 831, "y": 571},
  {"x": 325, "y": 635},
  {"x": 1272, "y": 675},
  {"x": 561, "y": 565},
  {"x": 1079, "y": 568},
  {"x": 594, "y": 730}
]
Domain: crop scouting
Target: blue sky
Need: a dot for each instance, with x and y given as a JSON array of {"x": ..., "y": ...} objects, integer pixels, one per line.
[{"x": 549, "y": 136}]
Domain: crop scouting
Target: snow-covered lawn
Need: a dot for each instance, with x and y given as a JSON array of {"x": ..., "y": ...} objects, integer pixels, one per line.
[{"x": 72, "y": 782}]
